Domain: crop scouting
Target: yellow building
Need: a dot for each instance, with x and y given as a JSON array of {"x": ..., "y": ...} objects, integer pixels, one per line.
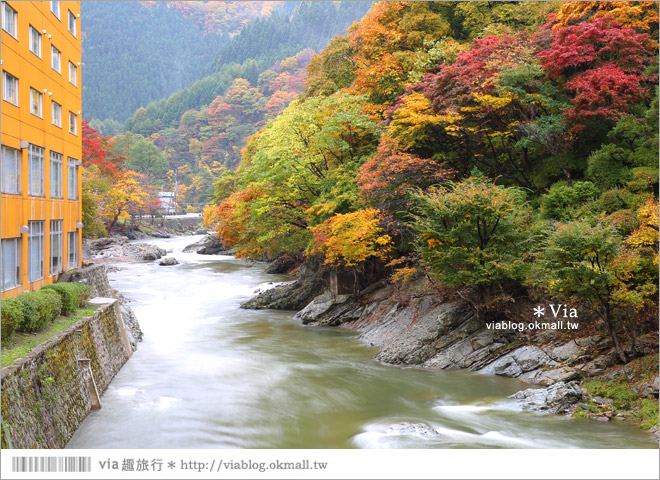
[{"x": 41, "y": 143}]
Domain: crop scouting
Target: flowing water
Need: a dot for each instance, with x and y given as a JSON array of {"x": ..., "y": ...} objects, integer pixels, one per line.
[{"x": 211, "y": 375}]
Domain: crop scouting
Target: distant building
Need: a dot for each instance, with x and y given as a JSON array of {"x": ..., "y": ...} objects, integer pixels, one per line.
[
  {"x": 40, "y": 128},
  {"x": 167, "y": 202}
]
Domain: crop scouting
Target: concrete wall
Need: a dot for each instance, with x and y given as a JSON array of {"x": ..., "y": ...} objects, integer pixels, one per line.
[{"x": 47, "y": 394}]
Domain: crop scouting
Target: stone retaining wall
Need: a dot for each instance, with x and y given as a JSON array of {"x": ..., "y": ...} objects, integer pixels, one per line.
[{"x": 47, "y": 394}]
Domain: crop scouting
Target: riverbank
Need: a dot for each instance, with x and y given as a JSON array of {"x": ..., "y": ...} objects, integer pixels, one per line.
[
  {"x": 59, "y": 379},
  {"x": 572, "y": 359}
]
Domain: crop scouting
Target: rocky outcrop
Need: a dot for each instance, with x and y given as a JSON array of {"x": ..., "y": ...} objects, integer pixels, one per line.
[
  {"x": 421, "y": 330},
  {"x": 209, "y": 245},
  {"x": 560, "y": 397},
  {"x": 294, "y": 295},
  {"x": 118, "y": 248},
  {"x": 133, "y": 329}
]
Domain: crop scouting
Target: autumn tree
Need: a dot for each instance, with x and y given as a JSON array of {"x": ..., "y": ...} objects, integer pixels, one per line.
[{"x": 350, "y": 239}]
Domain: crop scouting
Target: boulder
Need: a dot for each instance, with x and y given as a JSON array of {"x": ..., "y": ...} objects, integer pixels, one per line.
[
  {"x": 168, "y": 261},
  {"x": 143, "y": 251},
  {"x": 209, "y": 245},
  {"x": 557, "y": 398}
]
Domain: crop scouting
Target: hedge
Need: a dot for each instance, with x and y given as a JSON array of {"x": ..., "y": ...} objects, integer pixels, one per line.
[
  {"x": 32, "y": 311},
  {"x": 32, "y": 320},
  {"x": 71, "y": 294},
  {"x": 12, "y": 315}
]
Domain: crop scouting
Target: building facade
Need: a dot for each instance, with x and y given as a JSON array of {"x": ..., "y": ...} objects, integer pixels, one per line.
[{"x": 41, "y": 136}]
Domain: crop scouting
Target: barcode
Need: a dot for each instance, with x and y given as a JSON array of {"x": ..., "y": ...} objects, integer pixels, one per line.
[{"x": 51, "y": 464}]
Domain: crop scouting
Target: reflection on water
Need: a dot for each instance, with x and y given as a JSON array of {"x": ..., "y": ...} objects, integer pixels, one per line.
[{"x": 211, "y": 375}]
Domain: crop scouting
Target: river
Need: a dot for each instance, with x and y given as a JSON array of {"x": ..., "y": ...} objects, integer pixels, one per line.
[{"x": 211, "y": 375}]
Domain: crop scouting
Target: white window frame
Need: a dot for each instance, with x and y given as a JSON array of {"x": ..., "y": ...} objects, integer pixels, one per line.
[
  {"x": 11, "y": 273},
  {"x": 72, "y": 17},
  {"x": 55, "y": 8},
  {"x": 7, "y": 80},
  {"x": 73, "y": 123},
  {"x": 56, "y": 246},
  {"x": 36, "y": 182},
  {"x": 9, "y": 22},
  {"x": 56, "y": 174},
  {"x": 38, "y": 112},
  {"x": 36, "y": 250},
  {"x": 72, "y": 179},
  {"x": 56, "y": 114},
  {"x": 73, "y": 74},
  {"x": 36, "y": 49},
  {"x": 11, "y": 184},
  {"x": 55, "y": 54},
  {"x": 72, "y": 250}
]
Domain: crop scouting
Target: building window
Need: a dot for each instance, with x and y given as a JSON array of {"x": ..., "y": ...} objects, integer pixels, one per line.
[
  {"x": 11, "y": 170},
  {"x": 36, "y": 171},
  {"x": 56, "y": 246},
  {"x": 72, "y": 170},
  {"x": 72, "y": 23},
  {"x": 73, "y": 123},
  {"x": 55, "y": 59},
  {"x": 36, "y": 251},
  {"x": 9, "y": 88},
  {"x": 55, "y": 175},
  {"x": 35, "y": 102},
  {"x": 72, "y": 245},
  {"x": 11, "y": 263},
  {"x": 35, "y": 41},
  {"x": 55, "y": 8},
  {"x": 73, "y": 74},
  {"x": 9, "y": 19},
  {"x": 57, "y": 114}
]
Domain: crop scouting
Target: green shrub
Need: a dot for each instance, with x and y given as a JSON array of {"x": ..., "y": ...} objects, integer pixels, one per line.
[
  {"x": 84, "y": 292},
  {"x": 69, "y": 294},
  {"x": 50, "y": 305},
  {"x": 647, "y": 415},
  {"x": 613, "y": 200},
  {"x": 32, "y": 319},
  {"x": 562, "y": 201},
  {"x": 12, "y": 316},
  {"x": 621, "y": 395}
]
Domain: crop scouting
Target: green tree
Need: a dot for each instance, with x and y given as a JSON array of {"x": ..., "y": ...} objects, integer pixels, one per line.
[
  {"x": 473, "y": 234},
  {"x": 145, "y": 158},
  {"x": 576, "y": 262}
]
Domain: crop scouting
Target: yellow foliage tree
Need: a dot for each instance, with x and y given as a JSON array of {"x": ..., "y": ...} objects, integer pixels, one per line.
[{"x": 352, "y": 238}]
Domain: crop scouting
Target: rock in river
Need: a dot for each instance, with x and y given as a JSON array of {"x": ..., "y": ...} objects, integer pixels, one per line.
[
  {"x": 209, "y": 245},
  {"x": 166, "y": 262},
  {"x": 557, "y": 398}
]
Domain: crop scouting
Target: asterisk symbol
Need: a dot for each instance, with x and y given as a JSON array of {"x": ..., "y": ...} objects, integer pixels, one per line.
[
  {"x": 539, "y": 311},
  {"x": 171, "y": 465}
]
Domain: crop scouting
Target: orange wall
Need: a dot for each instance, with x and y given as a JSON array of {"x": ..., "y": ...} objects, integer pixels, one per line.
[{"x": 17, "y": 123}]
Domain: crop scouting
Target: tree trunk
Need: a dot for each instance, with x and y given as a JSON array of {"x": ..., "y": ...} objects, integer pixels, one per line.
[{"x": 610, "y": 326}]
